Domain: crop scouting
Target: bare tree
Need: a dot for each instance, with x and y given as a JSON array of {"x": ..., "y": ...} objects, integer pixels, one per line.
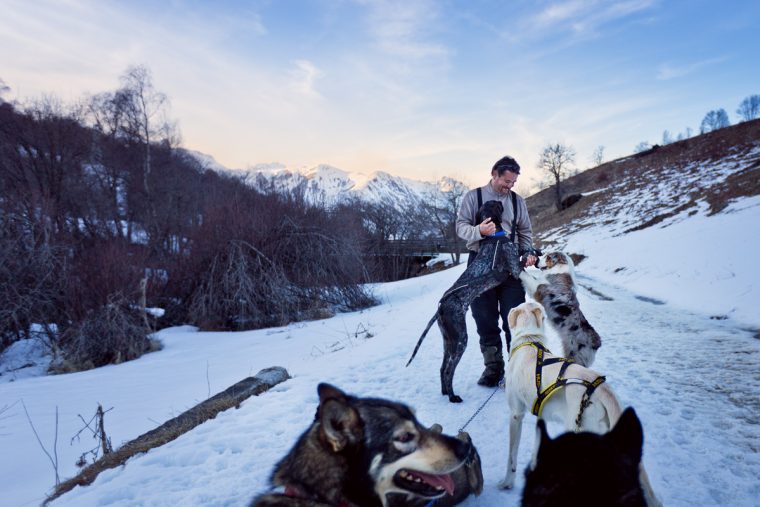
[
  {"x": 666, "y": 137},
  {"x": 442, "y": 206},
  {"x": 146, "y": 118},
  {"x": 749, "y": 109},
  {"x": 598, "y": 157},
  {"x": 714, "y": 120},
  {"x": 556, "y": 161}
]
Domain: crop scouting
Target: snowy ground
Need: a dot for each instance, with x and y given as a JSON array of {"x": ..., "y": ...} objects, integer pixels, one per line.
[{"x": 694, "y": 381}]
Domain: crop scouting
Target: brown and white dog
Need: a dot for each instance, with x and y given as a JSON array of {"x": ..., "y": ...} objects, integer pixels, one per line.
[
  {"x": 553, "y": 285},
  {"x": 361, "y": 451},
  {"x": 573, "y": 403}
]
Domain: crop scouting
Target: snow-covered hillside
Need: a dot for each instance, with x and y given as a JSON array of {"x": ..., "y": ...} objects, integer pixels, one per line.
[{"x": 673, "y": 226}]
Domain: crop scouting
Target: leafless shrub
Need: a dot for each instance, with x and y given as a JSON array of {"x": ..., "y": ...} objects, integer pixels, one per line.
[
  {"x": 30, "y": 288},
  {"x": 242, "y": 289},
  {"x": 111, "y": 334},
  {"x": 96, "y": 426}
]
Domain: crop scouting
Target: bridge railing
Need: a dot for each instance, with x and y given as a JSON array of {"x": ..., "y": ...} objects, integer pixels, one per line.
[{"x": 418, "y": 247}]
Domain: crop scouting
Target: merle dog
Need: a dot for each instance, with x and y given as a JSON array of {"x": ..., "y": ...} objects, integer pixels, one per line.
[{"x": 497, "y": 259}]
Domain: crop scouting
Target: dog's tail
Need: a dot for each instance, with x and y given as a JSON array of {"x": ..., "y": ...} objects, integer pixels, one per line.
[
  {"x": 424, "y": 333},
  {"x": 610, "y": 403}
]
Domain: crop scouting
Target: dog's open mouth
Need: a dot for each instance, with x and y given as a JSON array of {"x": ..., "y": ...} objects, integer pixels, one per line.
[{"x": 422, "y": 484}]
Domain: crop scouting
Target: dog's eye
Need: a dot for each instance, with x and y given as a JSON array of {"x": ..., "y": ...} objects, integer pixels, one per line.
[{"x": 405, "y": 437}]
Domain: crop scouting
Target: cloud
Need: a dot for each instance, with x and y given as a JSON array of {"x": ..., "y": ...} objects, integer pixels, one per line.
[
  {"x": 583, "y": 18},
  {"x": 403, "y": 29},
  {"x": 668, "y": 71},
  {"x": 304, "y": 77}
]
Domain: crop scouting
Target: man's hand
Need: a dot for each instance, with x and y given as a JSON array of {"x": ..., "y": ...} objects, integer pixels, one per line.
[
  {"x": 487, "y": 227},
  {"x": 531, "y": 260}
]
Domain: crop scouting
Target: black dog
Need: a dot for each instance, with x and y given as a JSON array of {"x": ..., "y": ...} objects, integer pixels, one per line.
[
  {"x": 497, "y": 259},
  {"x": 587, "y": 469},
  {"x": 359, "y": 450}
]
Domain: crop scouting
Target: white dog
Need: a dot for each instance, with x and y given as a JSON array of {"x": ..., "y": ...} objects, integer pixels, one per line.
[
  {"x": 554, "y": 388},
  {"x": 553, "y": 285}
]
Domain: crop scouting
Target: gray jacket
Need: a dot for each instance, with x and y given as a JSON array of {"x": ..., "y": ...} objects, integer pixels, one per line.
[{"x": 468, "y": 230}]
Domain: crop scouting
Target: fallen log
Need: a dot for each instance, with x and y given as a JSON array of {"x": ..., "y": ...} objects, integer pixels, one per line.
[{"x": 233, "y": 396}]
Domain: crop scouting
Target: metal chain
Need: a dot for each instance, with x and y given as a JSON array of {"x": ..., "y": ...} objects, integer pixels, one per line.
[{"x": 481, "y": 407}]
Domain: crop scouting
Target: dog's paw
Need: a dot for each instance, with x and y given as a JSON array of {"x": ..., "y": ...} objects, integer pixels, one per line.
[
  {"x": 453, "y": 398},
  {"x": 506, "y": 483}
]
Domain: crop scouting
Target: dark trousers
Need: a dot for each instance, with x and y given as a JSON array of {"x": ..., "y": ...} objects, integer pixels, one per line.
[{"x": 492, "y": 304}]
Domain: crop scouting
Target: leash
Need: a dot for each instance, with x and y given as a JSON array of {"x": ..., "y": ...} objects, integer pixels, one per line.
[{"x": 481, "y": 407}]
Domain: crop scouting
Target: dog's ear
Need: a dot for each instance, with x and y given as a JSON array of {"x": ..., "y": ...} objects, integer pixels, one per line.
[
  {"x": 327, "y": 391},
  {"x": 542, "y": 440},
  {"x": 436, "y": 428},
  {"x": 538, "y": 314},
  {"x": 627, "y": 435},
  {"x": 340, "y": 423},
  {"x": 512, "y": 317}
]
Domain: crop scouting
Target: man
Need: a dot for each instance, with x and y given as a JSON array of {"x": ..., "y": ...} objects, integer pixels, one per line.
[{"x": 487, "y": 307}]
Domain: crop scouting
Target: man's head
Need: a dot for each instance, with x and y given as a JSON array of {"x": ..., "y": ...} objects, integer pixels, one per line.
[{"x": 504, "y": 174}]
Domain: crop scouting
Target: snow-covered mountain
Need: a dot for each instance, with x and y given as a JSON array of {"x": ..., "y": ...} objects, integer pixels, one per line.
[{"x": 328, "y": 185}]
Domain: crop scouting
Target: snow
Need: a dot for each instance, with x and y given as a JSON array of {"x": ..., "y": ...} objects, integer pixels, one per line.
[
  {"x": 693, "y": 379},
  {"x": 700, "y": 262}
]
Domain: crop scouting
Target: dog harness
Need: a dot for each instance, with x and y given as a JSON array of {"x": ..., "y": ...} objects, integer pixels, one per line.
[{"x": 542, "y": 396}]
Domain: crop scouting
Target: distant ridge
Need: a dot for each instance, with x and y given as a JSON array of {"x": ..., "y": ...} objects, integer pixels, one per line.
[{"x": 328, "y": 185}]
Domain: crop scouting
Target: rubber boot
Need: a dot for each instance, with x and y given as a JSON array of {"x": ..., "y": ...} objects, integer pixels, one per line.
[{"x": 494, "y": 362}]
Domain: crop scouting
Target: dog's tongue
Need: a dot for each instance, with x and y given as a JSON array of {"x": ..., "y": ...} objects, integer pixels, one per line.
[{"x": 444, "y": 481}]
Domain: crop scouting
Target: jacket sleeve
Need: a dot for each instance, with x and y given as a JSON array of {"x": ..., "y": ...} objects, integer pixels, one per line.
[
  {"x": 524, "y": 228},
  {"x": 464, "y": 224}
]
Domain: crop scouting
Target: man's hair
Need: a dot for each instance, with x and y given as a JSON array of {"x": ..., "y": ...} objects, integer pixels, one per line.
[{"x": 506, "y": 164}]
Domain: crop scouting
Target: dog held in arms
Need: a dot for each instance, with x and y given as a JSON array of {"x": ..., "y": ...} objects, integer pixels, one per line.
[
  {"x": 554, "y": 388},
  {"x": 371, "y": 452},
  {"x": 604, "y": 470},
  {"x": 553, "y": 285},
  {"x": 497, "y": 259}
]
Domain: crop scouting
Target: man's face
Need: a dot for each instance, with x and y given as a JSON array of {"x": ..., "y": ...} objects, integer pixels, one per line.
[{"x": 503, "y": 183}]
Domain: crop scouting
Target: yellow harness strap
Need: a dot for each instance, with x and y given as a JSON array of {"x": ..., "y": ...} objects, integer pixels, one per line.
[{"x": 542, "y": 396}]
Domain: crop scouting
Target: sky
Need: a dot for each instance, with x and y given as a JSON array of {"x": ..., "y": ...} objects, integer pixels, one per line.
[
  {"x": 692, "y": 379},
  {"x": 420, "y": 89}
]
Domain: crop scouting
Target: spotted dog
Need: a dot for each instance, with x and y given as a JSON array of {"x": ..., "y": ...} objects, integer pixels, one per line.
[
  {"x": 553, "y": 285},
  {"x": 497, "y": 259}
]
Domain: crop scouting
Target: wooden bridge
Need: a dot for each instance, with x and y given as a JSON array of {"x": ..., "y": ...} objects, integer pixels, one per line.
[{"x": 418, "y": 247}]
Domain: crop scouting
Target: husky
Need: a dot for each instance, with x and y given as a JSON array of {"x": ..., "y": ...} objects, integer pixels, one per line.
[
  {"x": 497, "y": 259},
  {"x": 586, "y": 468},
  {"x": 553, "y": 285},
  {"x": 468, "y": 480},
  {"x": 554, "y": 388},
  {"x": 359, "y": 450}
]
